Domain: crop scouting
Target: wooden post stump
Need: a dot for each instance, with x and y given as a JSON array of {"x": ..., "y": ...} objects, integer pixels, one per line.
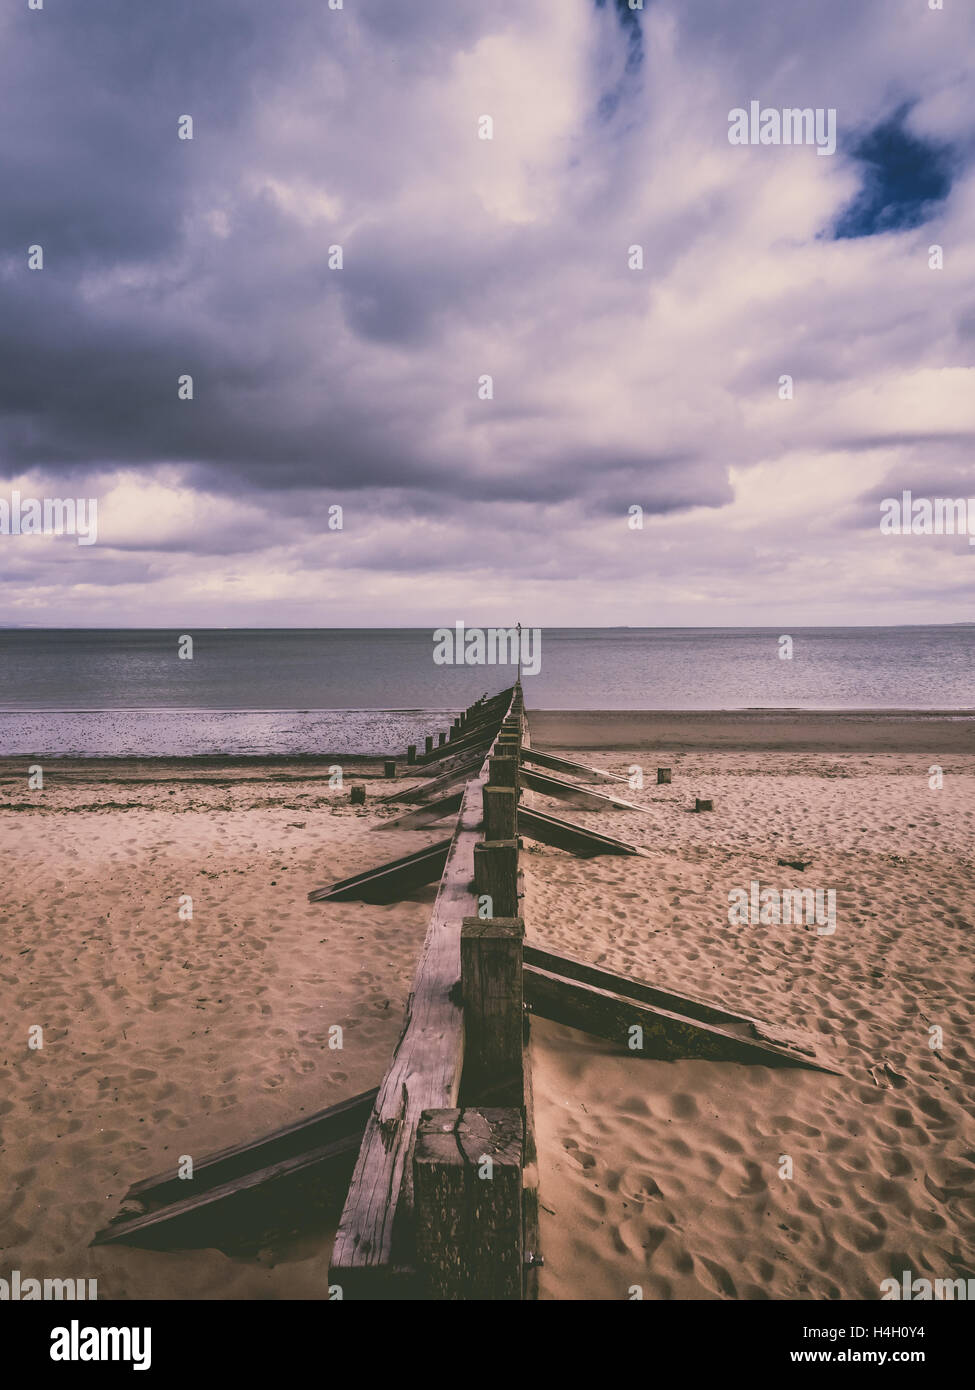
[
  {"x": 500, "y": 812},
  {"x": 491, "y": 976},
  {"x": 411, "y": 753},
  {"x": 389, "y": 769},
  {"x": 663, "y": 776},
  {"x": 496, "y": 876},
  {"x": 428, "y": 744},
  {"x": 700, "y": 805},
  {"x": 467, "y": 1185},
  {"x": 441, "y": 740},
  {"x": 357, "y": 795}
]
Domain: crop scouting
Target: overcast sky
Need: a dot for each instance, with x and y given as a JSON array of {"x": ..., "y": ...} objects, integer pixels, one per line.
[{"x": 464, "y": 257}]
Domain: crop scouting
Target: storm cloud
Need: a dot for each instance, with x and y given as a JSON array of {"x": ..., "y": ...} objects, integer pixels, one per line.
[{"x": 635, "y": 288}]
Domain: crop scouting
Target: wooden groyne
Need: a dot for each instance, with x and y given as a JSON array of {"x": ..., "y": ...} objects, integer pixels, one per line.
[
  {"x": 436, "y": 1206},
  {"x": 443, "y": 1202},
  {"x": 439, "y": 1164}
]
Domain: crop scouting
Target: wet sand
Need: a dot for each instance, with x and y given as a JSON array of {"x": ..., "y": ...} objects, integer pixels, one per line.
[{"x": 811, "y": 731}]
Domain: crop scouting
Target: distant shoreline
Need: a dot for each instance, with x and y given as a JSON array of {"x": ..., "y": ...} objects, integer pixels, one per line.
[
  {"x": 770, "y": 730},
  {"x": 935, "y": 732}
]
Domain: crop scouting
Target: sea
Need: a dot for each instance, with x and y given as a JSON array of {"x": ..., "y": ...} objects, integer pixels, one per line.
[{"x": 282, "y": 691}]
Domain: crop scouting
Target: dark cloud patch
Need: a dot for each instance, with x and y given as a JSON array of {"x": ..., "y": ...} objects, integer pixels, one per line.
[
  {"x": 631, "y": 30},
  {"x": 90, "y": 164},
  {"x": 905, "y": 179},
  {"x": 659, "y": 483},
  {"x": 612, "y": 388},
  {"x": 629, "y": 19},
  {"x": 941, "y": 439}
]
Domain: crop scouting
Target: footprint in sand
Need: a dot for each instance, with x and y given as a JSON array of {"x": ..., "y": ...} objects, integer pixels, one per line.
[{"x": 683, "y": 1106}]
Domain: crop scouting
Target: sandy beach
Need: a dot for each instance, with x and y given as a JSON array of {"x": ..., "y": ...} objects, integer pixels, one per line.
[
  {"x": 165, "y": 1036},
  {"x": 665, "y": 1177}
]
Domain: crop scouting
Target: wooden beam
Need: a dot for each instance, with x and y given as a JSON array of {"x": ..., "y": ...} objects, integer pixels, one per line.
[
  {"x": 581, "y": 771},
  {"x": 257, "y": 1184},
  {"x": 577, "y": 796},
  {"x": 373, "y": 1254},
  {"x": 482, "y": 737},
  {"x": 483, "y": 726},
  {"x": 468, "y": 1182},
  {"x": 529, "y": 1198},
  {"x": 663, "y": 1034},
  {"x": 424, "y": 815},
  {"x": 434, "y": 786},
  {"x": 276, "y": 1199},
  {"x": 339, "y": 1121},
  {"x": 389, "y": 882},
  {"x": 565, "y": 834},
  {"x": 572, "y": 968}
]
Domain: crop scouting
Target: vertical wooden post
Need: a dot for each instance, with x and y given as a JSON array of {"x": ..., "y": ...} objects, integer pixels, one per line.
[
  {"x": 441, "y": 740},
  {"x": 357, "y": 795},
  {"x": 500, "y": 812},
  {"x": 411, "y": 753},
  {"x": 389, "y": 769},
  {"x": 503, "y": 771},
  {"x": 491, "y": 977},
  {"x": 428, "y": 744},
  {"x": 496, "y": 875},
  {"x": 663, "y": 776},
  {"x": 467, "y": 1186}
]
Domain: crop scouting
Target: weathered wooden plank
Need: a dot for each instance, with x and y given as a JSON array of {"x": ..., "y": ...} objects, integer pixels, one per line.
[
  {"x": 388, "y": 882},
  {"x": 274, "y": 1198},
  {"x": 482, "y": 727},
  {"x": 426, "y": 814},
  {"x": 581, "y": 771},
  {"x": 373, "y": 1255},
  {"x": 479, "y": 737},
  {"x": 565, "y": 834},
  {"x": 665, "y": 1035},
  {"x": 572, "y": 968},
  {"x": 532, "y": 1246},
  {"x": 561, "y": 790},
  {"x": 325, "y": 1127},
  {"x": 436, "y": 786}
]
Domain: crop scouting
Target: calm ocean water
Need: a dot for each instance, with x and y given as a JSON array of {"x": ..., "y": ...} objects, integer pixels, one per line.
[{"x": 344, "y": 690}]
